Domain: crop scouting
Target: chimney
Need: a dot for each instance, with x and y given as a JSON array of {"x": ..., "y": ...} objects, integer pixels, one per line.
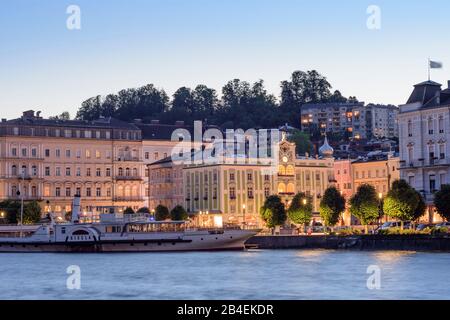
[
  {"x": 179, "y": 123},
  {"x": 154, "y": 122},
  {"x": 28, "y": 114}
]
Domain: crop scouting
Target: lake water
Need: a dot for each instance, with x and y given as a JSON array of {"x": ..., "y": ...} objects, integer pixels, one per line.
[{"x": 254, "y": 274}]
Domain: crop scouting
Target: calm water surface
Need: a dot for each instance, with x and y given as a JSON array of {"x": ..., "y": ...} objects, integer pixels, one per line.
[{"x": 258, "y": 274}]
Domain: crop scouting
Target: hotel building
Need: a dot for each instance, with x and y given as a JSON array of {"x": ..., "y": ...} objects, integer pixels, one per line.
[
  {"x": 52, "y": 160},
  {"x": 424, "y": 133},
  {"x": 234, "y": 191}
]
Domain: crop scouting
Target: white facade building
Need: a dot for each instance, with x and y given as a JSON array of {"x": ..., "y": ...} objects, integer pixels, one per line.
[{"x": 424, "y": 133}]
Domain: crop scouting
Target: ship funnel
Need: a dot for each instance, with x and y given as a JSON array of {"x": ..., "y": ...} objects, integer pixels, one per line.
[{"x": 76, "y": 209}]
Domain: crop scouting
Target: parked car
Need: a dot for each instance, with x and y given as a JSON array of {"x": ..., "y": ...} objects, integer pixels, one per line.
[
  {"x": 443, "y": 224},
  {"x": 422, "y": 226},
  {"x": 395, "y": 224}
]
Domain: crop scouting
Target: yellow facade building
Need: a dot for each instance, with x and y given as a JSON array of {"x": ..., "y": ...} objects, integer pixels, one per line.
[{"x": 52, "y": 160}]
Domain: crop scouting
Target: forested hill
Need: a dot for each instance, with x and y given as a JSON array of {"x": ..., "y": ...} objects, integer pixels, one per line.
[{"x": 240, "y": 105}]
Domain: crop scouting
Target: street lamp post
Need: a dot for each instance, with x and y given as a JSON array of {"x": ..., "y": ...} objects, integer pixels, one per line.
[
  {"x": 380, "y": 209},
  {"x": 243, "y": 216}
]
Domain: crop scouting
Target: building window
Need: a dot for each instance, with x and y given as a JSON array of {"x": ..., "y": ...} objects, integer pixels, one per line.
[
  {"x": 78, "y": 172},
  {"x": 430, "y": 126},
  {"x": 431, "y": 154},
  {"x": 14, "y": 152},
  {"x": 441, "y": 124},
  {"x": 68, "y": 171},
  {"x": 34, "y": 170},
  {"x": 47, "y": 153},
  {"x": 108, "y": 172},
  {"x": 68, "y": 192},
  {"x": 215, "y": 193},
  {"x": 441, "y": 151},
  {"x": 249, "y": 177},
  {"x": 409, "y": 128},
  {"x": 156, "y": 156},
  {"x": 108, "y": 192},
  {"x": 34, "y": 152},
  {"x": 58, "y": 191},
  {"x": 88, "y": 134},
  {"x": 98, "y": 172},
  {"x": 88, "y": 192},
  {"x": 98, "y": 192},
  {"x": 250, "y": 192},
  {"x": 47, "y": 171},
  {"x": 135, "y": 172},
  {"x": 88, "y": 172},
  {"x": 147, "y": 155},
  {"x": 58, "y": 171},
  {"x": 24, "y": 152},
  {"x": 442, "y": 178},
  {"x": 58, "y": 153},
  {"x": 411, "y": 181},
  {"x": 232, "y": 193},
  {"x": 410, "y": 155},
  {"x": 266, "y": 177},
  {"x": 67, "y": 153},
  {"x": 78, "y": 191},
  {"x": 120, "y": 172},
  {"x": 16, "y": 131},
  {"x": 232, "y": 177},
  {"x": 97, "y": 154},
  {"x": 266, "y": 192},
  {"x": 88, "y": 154},
  {"x": 432, "y": 183}
]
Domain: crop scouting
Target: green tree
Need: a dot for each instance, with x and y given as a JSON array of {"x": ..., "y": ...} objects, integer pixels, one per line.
[
  {"x": 300, "y": 210},
  {"x": 273, "y": 212},
  {"x": 143, "y": 210},
  {"x": 161, "y": 213},
  {"x": 332, "y": 205},
  {"x": 302, "y": 142},
  {"x": 63, "y": 116},
  {"x": 442, "y": 202},
  {"x": 364, "y": 205},
  {"x": 128, "y": 210},
  {"x": 11, "y": 210},
  {"x": 31, "y": 213},
  {"x": 178, "y": 214},
  {"x": 403, "y": 202}
]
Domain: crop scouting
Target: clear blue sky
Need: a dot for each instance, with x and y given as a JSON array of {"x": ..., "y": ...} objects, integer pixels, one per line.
[{"x": 174, "y": 43}]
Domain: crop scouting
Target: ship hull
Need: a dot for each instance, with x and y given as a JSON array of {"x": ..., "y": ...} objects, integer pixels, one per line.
[{"x": 233, "y": 240}]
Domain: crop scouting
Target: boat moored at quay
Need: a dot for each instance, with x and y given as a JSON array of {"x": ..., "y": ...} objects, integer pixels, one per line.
[{"x": 119, "y": 233}]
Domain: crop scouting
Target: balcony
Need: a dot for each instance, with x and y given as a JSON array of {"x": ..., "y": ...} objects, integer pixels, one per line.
[
  {"x": 26, "y": 177},
  {"x": 128, "y": 178},
  {"x": 128, "y": 159},
  {"x": 128, "y": 199},
  {"x": 26, "y": 198}
]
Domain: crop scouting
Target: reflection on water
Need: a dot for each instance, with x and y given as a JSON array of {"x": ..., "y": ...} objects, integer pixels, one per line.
[{"x": 255, "y": 274}]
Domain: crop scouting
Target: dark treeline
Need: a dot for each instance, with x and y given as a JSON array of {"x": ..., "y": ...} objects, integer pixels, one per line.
[{"x": 241, "y": 104}]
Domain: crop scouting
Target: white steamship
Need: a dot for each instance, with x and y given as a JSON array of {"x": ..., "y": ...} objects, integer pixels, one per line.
[{"x": 116, "y": 233}]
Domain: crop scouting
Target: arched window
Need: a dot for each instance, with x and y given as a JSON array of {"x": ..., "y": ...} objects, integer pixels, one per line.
[
  {"x": 14, "y": 191},
  {"x": 409, "y": 128},
  {"x": 24, "y": 170},
  {"x": 290, "y": 171},
  {"x": 121, "y": 172},
  {"x": 135, "y": 172},
  {"x": 290, "y": 188},
  {"x": 127, "y": 191},
  {"x": 14, "y": 170},
  {"x": 281, "y": 170},
  {"x": 281, "y": 188},
  {"x": 120, "y": 191},
  {"x": 127, "y": 172}
]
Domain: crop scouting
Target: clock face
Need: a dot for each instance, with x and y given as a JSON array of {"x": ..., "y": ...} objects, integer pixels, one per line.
[{"x": 285, "y": 159}]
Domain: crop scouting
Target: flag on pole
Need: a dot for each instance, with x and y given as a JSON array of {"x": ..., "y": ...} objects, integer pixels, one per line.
[{"x": 435, "y": 65}]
